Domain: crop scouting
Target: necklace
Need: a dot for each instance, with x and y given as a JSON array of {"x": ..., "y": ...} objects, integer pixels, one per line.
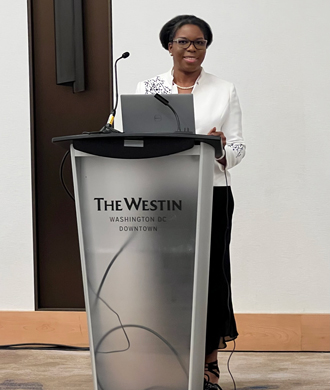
[{"x": 184, "y": 87}]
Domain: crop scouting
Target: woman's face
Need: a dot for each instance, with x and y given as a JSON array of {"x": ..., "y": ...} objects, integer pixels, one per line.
[{"x": 190, "y": 59}]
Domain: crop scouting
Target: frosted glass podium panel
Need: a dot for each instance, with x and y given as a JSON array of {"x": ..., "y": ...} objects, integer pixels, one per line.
[{"x": 144, "y": 233}]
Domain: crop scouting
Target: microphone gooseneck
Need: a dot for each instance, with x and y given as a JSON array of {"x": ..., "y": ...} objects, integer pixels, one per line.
[
  {"x": 167, "y": 103},
  {"x": 113, "y": 112},
  {"x": 108, "y": 128}
]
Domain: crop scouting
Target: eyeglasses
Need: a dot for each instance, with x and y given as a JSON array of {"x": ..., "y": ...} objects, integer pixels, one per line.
[{"x": 183, "y": 43}]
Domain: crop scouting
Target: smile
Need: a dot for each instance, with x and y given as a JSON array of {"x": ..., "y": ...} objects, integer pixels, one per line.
[{"x": 190, "y": 59}]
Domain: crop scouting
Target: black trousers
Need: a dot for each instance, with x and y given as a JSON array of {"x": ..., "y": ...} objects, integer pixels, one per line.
[{"x": 221, "y": 325}]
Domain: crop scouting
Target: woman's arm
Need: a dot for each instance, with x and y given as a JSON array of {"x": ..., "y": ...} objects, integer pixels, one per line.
[{"x": 232, "y": 130}]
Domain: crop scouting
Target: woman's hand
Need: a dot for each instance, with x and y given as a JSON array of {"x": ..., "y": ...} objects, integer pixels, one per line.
[{"x": 220, "y": 134}]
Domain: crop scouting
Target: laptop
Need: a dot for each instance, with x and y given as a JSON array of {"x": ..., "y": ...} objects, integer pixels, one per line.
[{"x": 146, "y": 114}]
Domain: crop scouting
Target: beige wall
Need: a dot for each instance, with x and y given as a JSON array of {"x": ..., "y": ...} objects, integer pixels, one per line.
[{"x": 16, "y": 252}]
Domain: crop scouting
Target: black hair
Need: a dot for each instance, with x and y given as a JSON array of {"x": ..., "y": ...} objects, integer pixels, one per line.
[{"x": 169, "y": 29}]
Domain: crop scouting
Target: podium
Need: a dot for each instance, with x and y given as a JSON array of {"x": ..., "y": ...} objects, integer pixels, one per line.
[{"x": 144, "y": 205}]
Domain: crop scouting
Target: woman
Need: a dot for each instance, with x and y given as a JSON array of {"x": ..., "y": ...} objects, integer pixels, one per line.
[{"x": 217, "y": 113}]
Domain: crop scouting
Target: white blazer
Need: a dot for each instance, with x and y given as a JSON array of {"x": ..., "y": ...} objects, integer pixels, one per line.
[{"x": 216, "y": 105}]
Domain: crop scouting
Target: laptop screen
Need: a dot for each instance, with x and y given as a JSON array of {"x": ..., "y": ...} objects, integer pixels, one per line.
[{"x": 146, "y": 114}]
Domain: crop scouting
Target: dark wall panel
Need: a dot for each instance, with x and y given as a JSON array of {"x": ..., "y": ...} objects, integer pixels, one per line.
[{"x": 58, "y": 111}]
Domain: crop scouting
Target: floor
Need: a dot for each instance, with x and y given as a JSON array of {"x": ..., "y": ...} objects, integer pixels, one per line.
[{"x": 53, "y": 370}]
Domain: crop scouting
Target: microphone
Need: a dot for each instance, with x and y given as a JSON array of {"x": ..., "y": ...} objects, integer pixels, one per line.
[
  {"x": 113, "y": 113},
  {"x": 167, "y": 103},
  {"x": 108, "y": 127}
]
